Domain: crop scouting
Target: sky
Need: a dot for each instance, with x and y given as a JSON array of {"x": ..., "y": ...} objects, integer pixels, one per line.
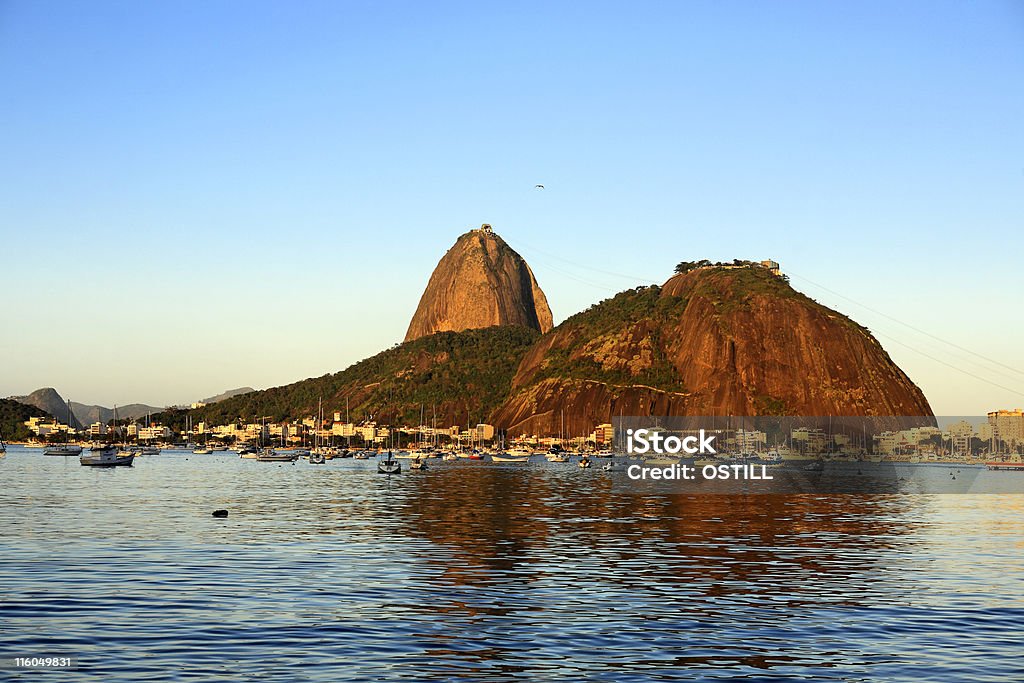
[{"x": 196, "y": 196}]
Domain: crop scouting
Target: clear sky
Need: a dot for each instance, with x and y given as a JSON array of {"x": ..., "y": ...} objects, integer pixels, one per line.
[{"x": 196, "y": 196}]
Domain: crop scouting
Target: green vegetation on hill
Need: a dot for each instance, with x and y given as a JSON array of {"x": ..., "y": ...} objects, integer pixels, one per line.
[
  {"x": 598, "y": 336},
  {"x": 454, "y": 375},
  {"x": 13, "y": 416}
]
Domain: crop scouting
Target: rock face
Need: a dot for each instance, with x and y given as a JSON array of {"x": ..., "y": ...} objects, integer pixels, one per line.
[
  {"x": 480, "y": 282},
  {"x": 713, "y": 341},
  {"x": 48, "y": 400}
]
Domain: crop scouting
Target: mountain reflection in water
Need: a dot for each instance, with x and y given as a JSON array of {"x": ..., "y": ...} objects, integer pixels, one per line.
[{"x": 480, "y": 572}]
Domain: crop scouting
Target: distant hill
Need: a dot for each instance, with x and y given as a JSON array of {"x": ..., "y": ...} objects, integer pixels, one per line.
[
  {"x": 49, "y": 401},
  {"x": 13, "y": 414},
  {"x": 90, "y": 414},
  {"x": 230, "y": 393},
  {"x": 82, "y": 415},
  {"x": 455, "y": 376}
]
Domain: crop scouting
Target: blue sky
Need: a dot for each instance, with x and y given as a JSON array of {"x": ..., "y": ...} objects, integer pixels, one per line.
[{"x": 202, "y": 195}]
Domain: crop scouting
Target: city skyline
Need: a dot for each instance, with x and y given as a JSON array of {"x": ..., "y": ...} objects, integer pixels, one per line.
[{"x": 204, "y": 197}]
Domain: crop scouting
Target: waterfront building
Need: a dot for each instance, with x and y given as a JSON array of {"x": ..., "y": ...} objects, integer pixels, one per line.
[{"x": 1007, "y": 426}]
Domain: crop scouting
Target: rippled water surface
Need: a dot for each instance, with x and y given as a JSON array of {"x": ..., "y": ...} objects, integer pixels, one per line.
[{"x": 474, "y": 571}]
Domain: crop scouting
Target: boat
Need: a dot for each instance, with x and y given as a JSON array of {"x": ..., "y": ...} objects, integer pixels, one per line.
[
  {"x": 584, "y": 463},
  {"x": 248, "y": 455},
  {"x": 508, "y": 457},
  {"x": 417, "y": 454},
  {"x": 389, "y": 466},
  {"x": 451, "y": 456},
  {"x": 320, "y": 453},
  {"x": 202, "y": 450},
  {"x": 65, "y": 448},
  {"x": 149, "y": 450},
  {"x": 418, "y": 464},
  {"x": 557, "y": 457},
  {"x": 361, "y": 455},
  {"x": 1006, "y": 465},
  {"x": 106, "y": 455},
  {"x": 270, "y": 455},
  {"x": 614, "y": 466}
]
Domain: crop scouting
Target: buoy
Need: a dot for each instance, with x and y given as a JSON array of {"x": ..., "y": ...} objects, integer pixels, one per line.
[{"x": 220, "y": 513}]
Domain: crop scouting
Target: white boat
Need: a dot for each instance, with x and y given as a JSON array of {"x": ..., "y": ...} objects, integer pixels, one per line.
[
  {"x": 509, "y": 457},
  {"x": 63, "y": 449},
  {"x": 149, "y": 450},
  {"x": 106, "y": 456},
  {"x": 202, "y": 450},
  {"x": 248, "y": 455},
  {"x": 451, "y": 456},
  {"x": 270, "y": 455},
  {"x": 413, "y": 455},
  {"x": 557, "y": 457},
  {"x": 584, "y": 463},
  {"x": 520, "y": 451}
]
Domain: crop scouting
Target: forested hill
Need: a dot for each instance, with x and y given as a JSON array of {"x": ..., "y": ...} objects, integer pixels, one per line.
[{"x": 454, "y": 376}]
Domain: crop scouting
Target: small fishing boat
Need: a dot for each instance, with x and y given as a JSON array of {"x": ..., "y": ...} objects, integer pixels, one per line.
[
  {"x": 106, "y": 456},
  {"x": 317, "y": 458},
  {"x": 202, "y": 450},
  {"x": 450, "y": 456},
  {"x": 418, "y": 464},
  {"x": 149, "y": 450},
  {"x": 584, "y": 463},
  {"x": 557, "y": 457}
]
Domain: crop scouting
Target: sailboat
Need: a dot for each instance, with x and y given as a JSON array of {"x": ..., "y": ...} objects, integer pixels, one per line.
[
  {"x": 389, "y": 466},
  {"x": 318, "y": 456},
  {"x": 107, "y": 455},
  {"x": 65, "y": 448}
]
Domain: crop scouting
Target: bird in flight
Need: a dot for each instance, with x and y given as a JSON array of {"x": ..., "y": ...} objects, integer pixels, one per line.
[{"x": 538, "y": 187}]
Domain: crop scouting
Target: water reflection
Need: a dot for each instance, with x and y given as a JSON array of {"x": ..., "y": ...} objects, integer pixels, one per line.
[{"x": 495, "y": 573}]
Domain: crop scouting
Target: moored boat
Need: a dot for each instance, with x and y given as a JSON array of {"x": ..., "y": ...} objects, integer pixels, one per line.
[
  {"x": 509, "y": 457},
  {"x": 270, "y": 455},
  {"x": 389, "y": 466},
  {"x": 106, "y": 456},
  {"x": 63, "y": 449}
]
